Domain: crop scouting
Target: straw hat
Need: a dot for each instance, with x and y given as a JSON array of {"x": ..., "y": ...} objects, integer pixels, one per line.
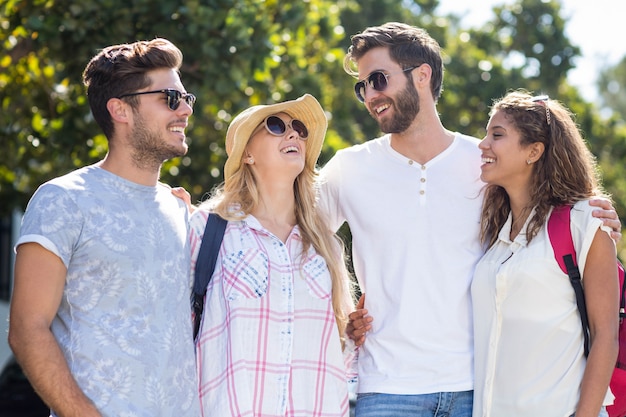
[{"x": 306, "y": 109}]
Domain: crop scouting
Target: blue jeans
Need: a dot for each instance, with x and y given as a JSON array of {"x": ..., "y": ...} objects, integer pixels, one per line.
[{"x": 440, "y": 404}]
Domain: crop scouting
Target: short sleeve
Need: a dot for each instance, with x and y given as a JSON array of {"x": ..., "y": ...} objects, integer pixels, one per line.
[
  {"x": 53, "y": 220},
  {"x": 584, "y": 227},
  {"x": 330, "y": 181}
]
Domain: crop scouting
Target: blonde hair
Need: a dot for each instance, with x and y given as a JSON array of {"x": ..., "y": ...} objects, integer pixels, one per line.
[
  {"x": 241, "y": 192},
  {"x": 565, "y": 173}
]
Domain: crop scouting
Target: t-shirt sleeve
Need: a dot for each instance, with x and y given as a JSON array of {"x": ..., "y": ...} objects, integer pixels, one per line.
[
  {"x": 53, "y": 220},
  {"x": 329, "y": 193},
  {"x": 584, "y": 227}
]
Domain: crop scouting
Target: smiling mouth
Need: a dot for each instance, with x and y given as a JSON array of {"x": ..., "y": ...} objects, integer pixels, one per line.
[
  {"x": 290, "y": 149},
  {"x": 486, "y": 160},
  {"x": 177, "y": 129},
  {"x": 382, "y": 108}
]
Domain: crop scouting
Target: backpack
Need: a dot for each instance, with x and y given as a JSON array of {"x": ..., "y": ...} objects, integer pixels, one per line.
[
  {"x": 205, "y": 265},
  {"x": 560, "y": 236}
]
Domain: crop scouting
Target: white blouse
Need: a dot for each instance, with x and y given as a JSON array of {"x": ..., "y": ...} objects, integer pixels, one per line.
[{"x": 529, "y": 356}]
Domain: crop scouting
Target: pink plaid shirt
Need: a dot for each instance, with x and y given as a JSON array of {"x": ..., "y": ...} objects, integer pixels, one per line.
[{"x": 268, "y": 342}]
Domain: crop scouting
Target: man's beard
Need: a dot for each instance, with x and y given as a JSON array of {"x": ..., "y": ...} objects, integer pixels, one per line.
[
  {"x": 150, "y": 149},
  {"x": 406, "y": 107}
]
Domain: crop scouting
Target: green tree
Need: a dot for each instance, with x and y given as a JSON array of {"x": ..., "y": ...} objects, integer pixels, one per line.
[
  {"x": 237, "y": 53},
  {"x": 610, "y": 134},
  {"x": 611, "y": 85},
  {"x": 523, "y": 46},
  {"x": 243, "y": 52}
]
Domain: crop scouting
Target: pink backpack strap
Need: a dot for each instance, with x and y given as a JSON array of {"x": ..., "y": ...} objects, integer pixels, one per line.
[
  {"x": 562, "y": 242},
  {"x": 560, "y": 235}
]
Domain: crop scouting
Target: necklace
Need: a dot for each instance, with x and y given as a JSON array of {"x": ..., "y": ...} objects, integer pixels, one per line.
[{"x": 517, "y": 224}]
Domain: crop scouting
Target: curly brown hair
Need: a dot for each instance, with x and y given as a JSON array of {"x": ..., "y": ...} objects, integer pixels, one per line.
[{"x": 565, "y": 173}]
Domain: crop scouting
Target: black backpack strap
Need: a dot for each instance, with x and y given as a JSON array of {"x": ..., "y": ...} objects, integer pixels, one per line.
[
  {"x": 560, "y": 235},
  {"x": 574, "y": 276},
  {"x": 205, "y": 265}
]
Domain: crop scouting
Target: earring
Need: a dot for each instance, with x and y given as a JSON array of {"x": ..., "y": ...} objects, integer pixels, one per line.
[
  {"x": 528, "y": 162},
  {"x": 251, "y": 160}
]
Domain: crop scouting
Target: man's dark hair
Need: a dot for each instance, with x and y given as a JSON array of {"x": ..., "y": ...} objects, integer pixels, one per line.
[
  {"x": 122, "y": 69},
  {"x": 408, "y": 45}
]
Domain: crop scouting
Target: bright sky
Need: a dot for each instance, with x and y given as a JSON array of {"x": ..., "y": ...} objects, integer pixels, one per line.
[{"x": 596, "y": 26}]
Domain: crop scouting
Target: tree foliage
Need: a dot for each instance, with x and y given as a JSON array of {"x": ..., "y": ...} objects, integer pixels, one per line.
[
  {"x": 612, "y": 88},
  {"x": 237, "y": 53},
  {"x": 243, "y": 52},
  {"x": 610, "y": 133}
]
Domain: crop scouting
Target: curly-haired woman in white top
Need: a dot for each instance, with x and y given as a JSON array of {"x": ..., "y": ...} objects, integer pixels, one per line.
[{"x": 529, "y": 349}]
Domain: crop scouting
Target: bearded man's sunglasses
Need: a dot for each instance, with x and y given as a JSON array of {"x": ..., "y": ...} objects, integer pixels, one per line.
[
  {"x": 174, "y": 97},
  {"x": 378, "y": 80},
  {"x": 277, "y": 127}
]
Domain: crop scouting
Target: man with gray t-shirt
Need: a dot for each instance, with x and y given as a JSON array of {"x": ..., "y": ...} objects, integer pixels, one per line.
[{"x": 100, "y": 316}]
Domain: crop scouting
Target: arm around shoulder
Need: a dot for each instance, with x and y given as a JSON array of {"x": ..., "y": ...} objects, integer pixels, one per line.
[{"x": 607, "y": 213}]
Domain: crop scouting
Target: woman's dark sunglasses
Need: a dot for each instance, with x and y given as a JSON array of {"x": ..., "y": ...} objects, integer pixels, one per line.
[
  {"x": 277, "y": 127},
  {"x": 173, "y": 97},
  {"x": 378, "y": 80}
]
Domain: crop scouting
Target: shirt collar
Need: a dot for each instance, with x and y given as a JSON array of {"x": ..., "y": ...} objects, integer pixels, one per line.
[
  {"x": 253, "y": 223},
  {"x": 520, "y": 239}
]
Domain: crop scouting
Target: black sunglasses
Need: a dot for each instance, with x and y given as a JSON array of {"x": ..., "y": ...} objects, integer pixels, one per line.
[
  {"x": 277, "y": 127},
  {"x": 378, "y": 80},
  {"x": 173, "y": 97}
]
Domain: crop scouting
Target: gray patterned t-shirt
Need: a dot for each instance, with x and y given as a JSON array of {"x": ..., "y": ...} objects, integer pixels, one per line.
[{"x": 124, "y": 320}]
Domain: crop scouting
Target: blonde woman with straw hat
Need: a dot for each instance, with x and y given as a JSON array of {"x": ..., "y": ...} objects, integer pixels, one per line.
[{"x": 271, "y": 338}]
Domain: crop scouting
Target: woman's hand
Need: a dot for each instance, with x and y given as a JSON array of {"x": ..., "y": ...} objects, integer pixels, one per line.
[{"x": 184, "y": 195}]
